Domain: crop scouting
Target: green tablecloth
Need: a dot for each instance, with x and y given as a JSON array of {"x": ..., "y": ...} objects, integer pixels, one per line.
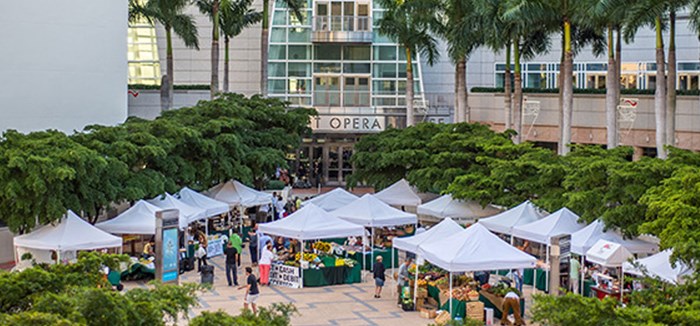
[
  {"x": 541, "y": 278},
  {"x": 587, "y": 287},
  {"x": 138, "y": 271},
  {"x": 459, "y": 308},
  {"x": 317, "y": 277},
  {"x": 434, "y": 293},
  {"x": 385, "y": 253}
]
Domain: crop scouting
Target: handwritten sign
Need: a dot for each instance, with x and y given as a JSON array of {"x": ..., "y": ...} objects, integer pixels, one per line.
[{"x": 283, "y": 275}]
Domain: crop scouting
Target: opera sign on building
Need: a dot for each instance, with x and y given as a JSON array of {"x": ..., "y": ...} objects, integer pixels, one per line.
[{"x": 349, "y": 123}]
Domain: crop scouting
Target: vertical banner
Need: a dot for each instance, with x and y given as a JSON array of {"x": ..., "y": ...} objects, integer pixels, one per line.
[{"x": 167, "y": 246}]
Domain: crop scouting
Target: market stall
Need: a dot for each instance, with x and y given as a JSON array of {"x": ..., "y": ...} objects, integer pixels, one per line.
[
  {"x": 473, "y": 249},
  {"x": 456, "y": 209},
  {"x": 608, "y": 255},
  {"x": 400, "y": 194},
  {"x": 56, "y": 243},
  {"x": 370, "y": 212},
  {"x": 659, "y": 266},
  {"x": 213, "y": 209},
  {"x": 332, "y": 200},
  {"x": 235, "y": 193},
  {"x": 559, "y": 223},
  {"x": 504, "y": 222},
  {"x": 190, "y": 213},
  {"x": 311, "y": 223},
  {"x": 138, "y": 219}
]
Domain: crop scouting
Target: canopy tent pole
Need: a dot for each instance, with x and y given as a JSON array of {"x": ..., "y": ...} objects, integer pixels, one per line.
[
  {"x": 392, "y": 269},
  {"x": 583, "y": 260},
  {"x": 546, "y": 272},
  {"x": 449, "y": 298},
  {"x": 622, "y": 282},
  {"x": 371, "y": 247},
  {"x": 301, "y": 267},
  {"x": 415, "y": 284},
  {"x": 206, "y": 226},
  {"x": 363, "y": 258}
]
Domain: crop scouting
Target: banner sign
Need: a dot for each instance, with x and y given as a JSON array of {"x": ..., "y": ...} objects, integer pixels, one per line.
[
  {"x": 283, "y": 275},
  {"x": 215, "y": 247},
  {"x": 167, "y": 246}
]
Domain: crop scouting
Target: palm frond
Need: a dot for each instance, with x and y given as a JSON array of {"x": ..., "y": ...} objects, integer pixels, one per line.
[{"x": 184, "y": 27}]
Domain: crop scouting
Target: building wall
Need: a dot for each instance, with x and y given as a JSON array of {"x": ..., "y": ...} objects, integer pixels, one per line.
[
  {"x": 146, "y": 103},
  {"x": 63, "y": 66}
]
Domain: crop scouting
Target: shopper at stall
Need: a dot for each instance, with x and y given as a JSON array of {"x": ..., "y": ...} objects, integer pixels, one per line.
[
  {"x": 266, "y": 258},
  {"x": 252, "y": 293},
  {"x": 236, "y": 242},
  {"x": 512, "y": 301},
  {"x": 403, "y": 277},
  {"x": 379, "y": 277},
  {"x": 231, "y": 262},
  {"x": 574, "y": 273},
  {"x": 149, "y": 250},
  {"x": 253, "y": 246}
]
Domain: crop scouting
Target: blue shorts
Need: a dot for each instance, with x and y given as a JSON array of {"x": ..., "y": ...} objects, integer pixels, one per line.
[{"x": 378, "y": 282}]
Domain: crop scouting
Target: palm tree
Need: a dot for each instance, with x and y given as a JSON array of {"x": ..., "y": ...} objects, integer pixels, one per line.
[
  {"x": 234, "y": 19},
  {"x": 462, "y": 29},
  {"x": 411, "y": 24},
  {"x": 168, "y": 13},
  {"x": 295, "y": 6},
  {"x": 211, "y": 8}
]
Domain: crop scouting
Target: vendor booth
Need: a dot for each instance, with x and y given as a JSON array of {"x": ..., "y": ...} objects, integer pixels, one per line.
[
  {"x": 56, "y": 243},
  {"x": 400, "y": 194},
  {"x": 608, "y": 255},
  {"x": 459, "y": 210},
  {"x": 211, "y": 207},
  {"x": 370, "y": 212},
  {"x": 138, "y": 219},
  {"x": 217, "y": 213},
  {"x": 504, "y": 222},
  {"x": 322, "y": 267},
  {"x": 332, "y": 200},
  {"x": 470, "y": 250},
  {"x": 561, "y": 222},
  {"x": 235, "y": 193},
  {"x": 190, "y": 213},
  {"x": 659, "y": 266}
]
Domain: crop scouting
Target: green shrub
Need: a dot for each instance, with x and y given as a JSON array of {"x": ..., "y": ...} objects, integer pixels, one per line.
[{"x": 275, "y": 185}]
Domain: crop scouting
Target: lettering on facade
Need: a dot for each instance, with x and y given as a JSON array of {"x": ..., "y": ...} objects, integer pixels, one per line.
[{"x": 348, "y": 123}]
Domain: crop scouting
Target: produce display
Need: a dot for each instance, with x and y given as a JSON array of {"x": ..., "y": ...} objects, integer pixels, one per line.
[
  {"x": 501, "y": 289},
  {"x": 324, "y": 247}
]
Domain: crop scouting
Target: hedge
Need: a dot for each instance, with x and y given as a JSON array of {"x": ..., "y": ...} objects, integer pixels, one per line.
[{"x": 187, "y": 87}]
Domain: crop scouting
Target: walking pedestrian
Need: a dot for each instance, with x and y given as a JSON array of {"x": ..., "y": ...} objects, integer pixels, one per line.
[
  {"x": 231, "y": 262},
  {"x": 266, "y": 263},
  {"x": 379, "y": 277},
  {"x": 252, "y": 293},
  {"x": 237, "y": 243}
]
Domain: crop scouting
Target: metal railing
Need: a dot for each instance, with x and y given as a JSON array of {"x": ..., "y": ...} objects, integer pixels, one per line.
[{"x": 342, "y": 24}]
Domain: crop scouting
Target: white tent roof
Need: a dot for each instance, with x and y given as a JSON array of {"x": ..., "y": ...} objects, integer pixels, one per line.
[
  {"x": 447, "y": 207},
  {"x": 311, "y": 222},
  {"x": 333, "y": 199},
  {"x": 584, "y": 239},
  {"x": 608, "y": 254},
  {"x": 560, "y": 222},
  {"x": 659, "y": 265},
  {"x": 475, "y": 249},
  {"x": 211, "y": 207},
  {"x": 72, "y": 233},
  {"x": 190, "y": 213},
  {"x": 399, "y": 194},
  {"x": 372, "y": 212},
  {"x": 441, "y": 230},
  {"x": 235, "y": 193},
  {"x": 138, "y": 219},
  {"x": 504, "y": 222}
]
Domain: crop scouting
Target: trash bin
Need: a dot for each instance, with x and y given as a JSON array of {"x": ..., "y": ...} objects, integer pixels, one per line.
[{"x": 207, "y": 272}]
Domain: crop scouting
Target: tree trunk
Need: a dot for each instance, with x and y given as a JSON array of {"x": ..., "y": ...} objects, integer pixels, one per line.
[
  {"x": 264, "y": 48},
  {"x": 671, "y": 83},
  {"x": 518, "y": 93},
  {"x": 465, "y": 93},
  {"x": 611, "y": 93},
  {"x": 167, "y": 97},
  {"x": 410, "y": 120},
  {"x": 226, "y": 58},
  {"x": 660, "y": 93},
  {"x": 456, "y": 99},
  {"x": 567, "y": 91},
  {"x": 214, "y": 86},
  {"x": 462, "y": 89},
  {"x": 508, "y": 92}
]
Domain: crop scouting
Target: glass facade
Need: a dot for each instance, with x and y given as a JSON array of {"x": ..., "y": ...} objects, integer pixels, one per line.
[{"x": 144, "y": 65}]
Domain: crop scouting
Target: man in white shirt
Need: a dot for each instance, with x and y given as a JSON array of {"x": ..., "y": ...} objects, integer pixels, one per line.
[{"x": 511, "y": 301}]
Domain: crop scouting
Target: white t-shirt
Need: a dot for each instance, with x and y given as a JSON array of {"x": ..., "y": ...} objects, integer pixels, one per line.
[
  {"x": 266, "y": 257},
  {"x": 512, "y": 295}
]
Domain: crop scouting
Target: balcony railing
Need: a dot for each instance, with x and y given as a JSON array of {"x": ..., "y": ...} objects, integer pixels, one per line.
[{"x": 346, "y": 29}]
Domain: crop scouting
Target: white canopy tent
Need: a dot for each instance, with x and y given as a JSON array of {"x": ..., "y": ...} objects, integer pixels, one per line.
[
  {"x": 474, "y": 249},
  {"x": 610, "y": 254},
  {"x": 541, "y": 231},
  {"x": 211, "y": 207},
  {"x": 332, "y": 200},
  {"x": 448, "y": 207},
  {"x": 659, "y": 265},
  {"x": 190, "y": 213},
  {"x": 412, "y": 244},
  {"x": 399, "y": 194},
  {"x": 309, "y": 223},
  {"x": 138, "y": 219},
  {"x": 504, "y": 222},
  {"x": 71, "y": 234},
  {"x": 584, "y": 239},
  {"x": 235, "y": 193}
]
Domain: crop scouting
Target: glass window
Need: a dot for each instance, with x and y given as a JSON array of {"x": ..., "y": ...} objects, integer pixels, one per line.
[
  {"x": 299, "y": 52},
  {"x": 327, "y": 67},
  {"x": 379, "y": 38},
  {"x": 384, "y": 70},
  {"x": 501, "y": 67},
  {"x": 327, "y": 52},
  {"x": 277, "y": 86},
  {"x": 356, "y": 52},
  {"x": 536, "y": 67},
  {"x": 300, "y": 35},
  {"x": 299, "y": 86},
  {"x": 688, "y": 66},
  {"x": 385, "y": 53},
  {"x": 276, "y": 69},
  {"x": 628, "y": 81},
  {"x": 299, "y": 100},
  {"x": 387, "y": 87},
  {"x": 536, "y": 80},
  {"x": 356, "y": 68},
  {"x": 278, "y": 35},
  {"x": 596, "y": 66},
  {"x": 299, "y": 69},
  {"x": 277, "y": 52},
  {"x": 402, "y": 70},
  {"x": 279, "y": 18},
  {"x": 305, "y": 19},
  {"x": 384, "y": 101}
]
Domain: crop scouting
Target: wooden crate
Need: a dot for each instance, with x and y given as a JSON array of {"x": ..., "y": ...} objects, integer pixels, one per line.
[
  {"x": 428, "y": 312},
  {"x": 475, "y": 310},
  {"x": 422, "y": 293}
]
